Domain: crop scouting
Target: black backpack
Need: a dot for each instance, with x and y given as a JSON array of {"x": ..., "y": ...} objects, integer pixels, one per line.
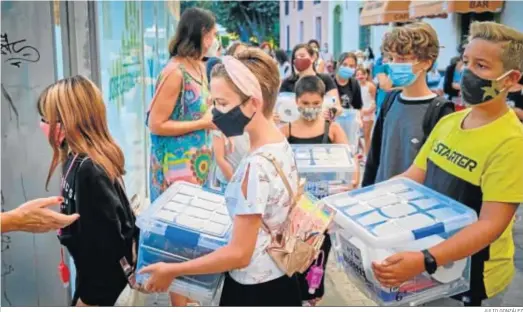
[{"x": 432, "y": 115}]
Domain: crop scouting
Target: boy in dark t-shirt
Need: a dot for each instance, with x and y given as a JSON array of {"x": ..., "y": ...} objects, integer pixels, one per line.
[{"x": 399, "y": 130}]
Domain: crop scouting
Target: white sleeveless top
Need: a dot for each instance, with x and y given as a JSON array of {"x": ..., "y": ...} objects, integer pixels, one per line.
[{"x": 366, "y": 97}]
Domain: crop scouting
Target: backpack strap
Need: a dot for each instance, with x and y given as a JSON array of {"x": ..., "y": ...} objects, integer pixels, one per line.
[
  {"x": 280, "y": 172},
  {"x": 434, "y": 113},
  {"x": 388, "y": 101}
]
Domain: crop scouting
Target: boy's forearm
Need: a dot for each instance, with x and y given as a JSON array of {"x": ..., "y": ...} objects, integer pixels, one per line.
[
  {"x": 357, "y": 174},
  {"x": 465, "y": 243}
]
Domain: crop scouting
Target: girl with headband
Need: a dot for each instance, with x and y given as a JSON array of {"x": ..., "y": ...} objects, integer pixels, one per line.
[{"x": 244, "y": 91}]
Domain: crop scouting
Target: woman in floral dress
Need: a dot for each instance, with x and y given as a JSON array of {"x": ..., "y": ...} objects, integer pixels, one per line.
[{"x": 178, "y": 116}]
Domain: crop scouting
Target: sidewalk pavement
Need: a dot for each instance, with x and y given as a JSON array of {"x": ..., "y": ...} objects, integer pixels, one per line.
[{"x": 339, "y": 291}]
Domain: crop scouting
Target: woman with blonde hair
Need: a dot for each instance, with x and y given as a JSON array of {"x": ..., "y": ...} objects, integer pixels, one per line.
[
  {"x": 236, "y": 48},
  {"x": 74, "y": 120},
  {"x": 244, "y": 91}
]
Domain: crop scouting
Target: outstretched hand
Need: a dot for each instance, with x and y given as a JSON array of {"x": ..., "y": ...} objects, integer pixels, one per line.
[{"x": 35, "y": 217}]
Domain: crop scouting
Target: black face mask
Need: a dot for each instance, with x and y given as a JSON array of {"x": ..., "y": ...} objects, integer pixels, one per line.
[
  {"x": 476, "y": 90},
  {"x": 232, "y": 123}
]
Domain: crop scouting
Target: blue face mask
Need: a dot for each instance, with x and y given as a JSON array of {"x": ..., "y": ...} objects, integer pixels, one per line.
[
  {"x": 345, "y": 72},
  {"x": 401, "y": 74}
]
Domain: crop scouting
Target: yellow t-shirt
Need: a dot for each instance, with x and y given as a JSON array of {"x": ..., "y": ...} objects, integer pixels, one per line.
[{"x": 473, "y": 166}]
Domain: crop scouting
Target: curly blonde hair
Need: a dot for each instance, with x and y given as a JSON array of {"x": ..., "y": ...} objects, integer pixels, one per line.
[
  {"x": 510, "y": 39},
  {"x": 419, "y": 39}
]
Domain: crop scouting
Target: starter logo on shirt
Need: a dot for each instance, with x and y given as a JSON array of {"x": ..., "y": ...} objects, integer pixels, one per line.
[{"x": 455, "y": 157}]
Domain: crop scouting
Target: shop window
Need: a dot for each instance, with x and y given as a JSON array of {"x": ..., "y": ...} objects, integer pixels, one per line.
[
  {"x": 288, "y": 38},
  {"x": 302, "y": 32},
  {"x": 318, "y": 28},
  {"x": 364, "y": 36}
]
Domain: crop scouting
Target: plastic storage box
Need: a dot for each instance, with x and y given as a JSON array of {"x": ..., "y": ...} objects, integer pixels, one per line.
[
  {"x": 398, "y": 215},
  {"x": 349, "y": 121},
  {"x": 286, "y": 107},
  {"x": 184, "y": 223},
  {"x": 329, "y": 102},
  {"x": 328, "y": 168}
]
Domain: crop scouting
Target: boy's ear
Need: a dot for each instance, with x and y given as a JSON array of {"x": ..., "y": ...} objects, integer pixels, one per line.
[
  {"x": 515, "y": 77},
  {"x": 520, "y": 81},
  {"x": 427, "y": 65}
]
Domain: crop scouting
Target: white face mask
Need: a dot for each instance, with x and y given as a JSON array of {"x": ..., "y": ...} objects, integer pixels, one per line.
[{"x": 213, "y": 49}]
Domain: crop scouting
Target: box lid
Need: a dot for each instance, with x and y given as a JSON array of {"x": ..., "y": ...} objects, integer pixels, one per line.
[
  {"x": 323, "y": 158},
  {"x": 397, "y": 211},
  {"x": 189, "y": 212},
  {"x": 286, "y": 107}
]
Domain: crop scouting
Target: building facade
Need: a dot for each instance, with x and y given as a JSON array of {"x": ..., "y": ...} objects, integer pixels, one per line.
[
  {"x": 451, "y": 20},
  {"x": 345, "y": 32},
  {"x": 453, "y": 28},
  {"x": 302, "y": 20},
  {"x": 349, "y": 25}
]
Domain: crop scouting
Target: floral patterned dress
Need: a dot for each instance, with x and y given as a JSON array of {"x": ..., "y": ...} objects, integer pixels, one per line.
[{"x": 186, "y": 157}]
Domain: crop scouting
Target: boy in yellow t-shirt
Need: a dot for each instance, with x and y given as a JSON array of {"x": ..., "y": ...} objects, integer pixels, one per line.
[{"x": 476, "y": 157}]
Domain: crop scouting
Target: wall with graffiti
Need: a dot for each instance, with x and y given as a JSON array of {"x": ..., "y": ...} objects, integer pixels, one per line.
[
  {"x": 28, "y": 265},
  {"x": 132, "y": 41}
]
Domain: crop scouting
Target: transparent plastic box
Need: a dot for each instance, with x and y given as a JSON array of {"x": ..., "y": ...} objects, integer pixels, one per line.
[
  {"x": 286, "y": 107},
  {"x": 376, "y": 222},
  {"x": 328, "y": 168},
  {"x": 349, "y": 121},
  {"x": 185, "y": 222},
  {"x": 329, "y": 102}
]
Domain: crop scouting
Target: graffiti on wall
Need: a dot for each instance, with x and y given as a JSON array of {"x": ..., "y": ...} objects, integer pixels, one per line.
[{"x": 17, "y": 52}]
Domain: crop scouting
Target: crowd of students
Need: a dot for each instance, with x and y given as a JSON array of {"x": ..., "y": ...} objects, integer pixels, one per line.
[{"x": 227, "y": 112}]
